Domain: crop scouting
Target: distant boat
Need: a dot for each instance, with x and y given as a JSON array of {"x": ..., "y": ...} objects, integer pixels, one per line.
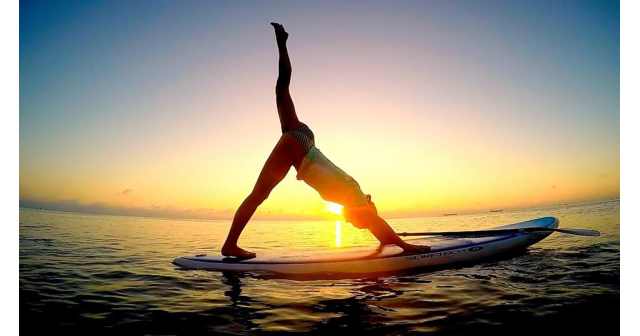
[
  {"x": 451, "y": 214},
  {"x": 499, "y": 210}
]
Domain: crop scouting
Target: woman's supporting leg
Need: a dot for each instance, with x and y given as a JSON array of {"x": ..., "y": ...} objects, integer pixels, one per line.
[
  {"x": 286, "y": 110},
  {"x": 274, "y": 170}
]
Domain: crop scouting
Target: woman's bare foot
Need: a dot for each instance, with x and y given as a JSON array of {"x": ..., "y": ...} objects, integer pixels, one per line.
[
  {"x": 281, "y": 34},
  {"x": 235, "y": 251}
]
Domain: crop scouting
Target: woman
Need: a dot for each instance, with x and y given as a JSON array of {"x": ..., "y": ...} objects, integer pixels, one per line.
[{"x": 296, "y": 148}]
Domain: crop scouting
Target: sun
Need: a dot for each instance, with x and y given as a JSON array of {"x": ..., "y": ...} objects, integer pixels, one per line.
[{"x": 334, "y": 208}]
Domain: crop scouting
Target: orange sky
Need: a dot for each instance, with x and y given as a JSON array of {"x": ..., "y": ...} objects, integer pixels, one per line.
[{"x": 172, "y": 113}]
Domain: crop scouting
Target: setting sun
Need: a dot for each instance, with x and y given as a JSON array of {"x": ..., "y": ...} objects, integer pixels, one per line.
[{"x": 334, "y": 208}]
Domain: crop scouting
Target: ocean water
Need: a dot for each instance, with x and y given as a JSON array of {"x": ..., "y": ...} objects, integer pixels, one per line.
[{"x": 92, "y": 274}]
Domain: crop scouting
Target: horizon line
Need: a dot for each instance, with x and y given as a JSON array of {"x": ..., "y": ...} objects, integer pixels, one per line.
[{"x": 314, "y": 218}]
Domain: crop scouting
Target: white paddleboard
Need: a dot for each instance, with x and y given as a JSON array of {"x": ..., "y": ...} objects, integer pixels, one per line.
[{"x": 443, "y": 252}]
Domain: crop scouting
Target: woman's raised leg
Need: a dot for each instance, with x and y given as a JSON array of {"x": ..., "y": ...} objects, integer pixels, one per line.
[{"x": 286, "y": 110}]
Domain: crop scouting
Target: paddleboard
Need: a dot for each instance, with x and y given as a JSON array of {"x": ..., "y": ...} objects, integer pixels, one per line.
[{"x": 390, "y": 259}]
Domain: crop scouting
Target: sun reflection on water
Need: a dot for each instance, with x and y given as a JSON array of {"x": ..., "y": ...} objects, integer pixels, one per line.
[{"x": 338, "y": 234}]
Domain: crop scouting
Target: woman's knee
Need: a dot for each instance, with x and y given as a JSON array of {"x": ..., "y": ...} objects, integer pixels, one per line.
[
  {"x": 282, "y": 90},
  {"x": 258, "y": 196}
]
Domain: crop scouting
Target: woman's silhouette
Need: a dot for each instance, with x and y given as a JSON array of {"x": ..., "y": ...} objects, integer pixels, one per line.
[{"x": 296, "y": 148}]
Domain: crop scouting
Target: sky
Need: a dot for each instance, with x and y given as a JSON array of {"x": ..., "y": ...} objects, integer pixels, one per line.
[{"x": 167, "y": 108}]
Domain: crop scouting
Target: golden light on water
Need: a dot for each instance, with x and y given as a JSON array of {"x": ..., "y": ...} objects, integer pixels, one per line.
[{"x": 338, "y": 233}]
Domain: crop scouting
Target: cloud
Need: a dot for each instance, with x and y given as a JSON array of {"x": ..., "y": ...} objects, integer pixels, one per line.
[
  {"x": 169, "y": 211},
  {"x": 124, "y": 192}
]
